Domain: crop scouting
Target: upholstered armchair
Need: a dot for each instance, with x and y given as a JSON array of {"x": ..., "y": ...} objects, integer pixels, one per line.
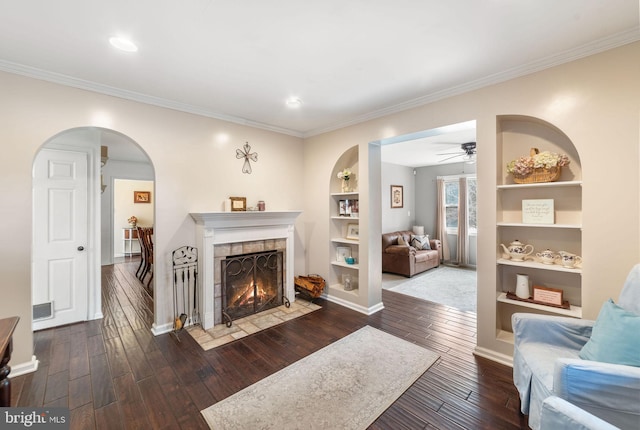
[
  {"x": 594, "y": 365},
  {"x": 558, "y": 414}
]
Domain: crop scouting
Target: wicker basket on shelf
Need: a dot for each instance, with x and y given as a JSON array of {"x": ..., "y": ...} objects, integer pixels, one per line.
[{"x": 538, "y": 175}]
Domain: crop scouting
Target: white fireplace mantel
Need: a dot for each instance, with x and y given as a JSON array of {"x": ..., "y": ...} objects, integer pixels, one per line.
[
  {"x": 245, "y": 219},
  {"x": 215, "y": 228}
]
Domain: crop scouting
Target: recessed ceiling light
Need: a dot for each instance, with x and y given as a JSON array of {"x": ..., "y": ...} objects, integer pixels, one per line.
[
  {"x": 294, "y": 102},
  {"x": 123, "y": 44}
]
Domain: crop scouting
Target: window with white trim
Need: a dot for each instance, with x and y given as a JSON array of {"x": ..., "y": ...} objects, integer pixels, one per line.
[{"x": 452, "y": 193}]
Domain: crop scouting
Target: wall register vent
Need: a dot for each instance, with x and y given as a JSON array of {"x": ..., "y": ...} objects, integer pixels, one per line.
[{"x": 43, "y": 311}]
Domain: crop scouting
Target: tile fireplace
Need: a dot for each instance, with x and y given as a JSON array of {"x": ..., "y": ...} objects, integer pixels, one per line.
[{"x": 223, "y": 234}]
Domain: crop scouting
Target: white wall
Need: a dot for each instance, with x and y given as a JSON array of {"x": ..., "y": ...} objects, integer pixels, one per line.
[{"x": 395, "y": 219}]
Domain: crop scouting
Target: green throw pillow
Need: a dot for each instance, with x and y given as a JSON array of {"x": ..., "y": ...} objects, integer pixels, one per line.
[{"x": 614, "y": 337}]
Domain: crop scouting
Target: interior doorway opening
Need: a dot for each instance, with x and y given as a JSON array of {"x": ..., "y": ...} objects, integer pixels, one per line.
[
  {"x": 415, "y": 162},
  {"x": 80, "y": 161}
]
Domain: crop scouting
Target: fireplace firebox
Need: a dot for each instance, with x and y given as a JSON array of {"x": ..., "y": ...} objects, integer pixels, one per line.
[{"x": 251, "y": 283}]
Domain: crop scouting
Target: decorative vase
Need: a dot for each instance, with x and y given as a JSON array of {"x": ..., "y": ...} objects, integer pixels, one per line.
[
  {"x": 132, "y": 224},
  {"x": 345, "y": 185},
  {"x": 522, "y": 286}
]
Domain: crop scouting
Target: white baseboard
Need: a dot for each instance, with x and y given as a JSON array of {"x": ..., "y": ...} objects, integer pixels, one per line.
[
  {"x": 161, "y": 329},
  {"x": 347, "y": 304},
  {"x": 498, "y": 357},
  {"x": 24, "y": 368}
]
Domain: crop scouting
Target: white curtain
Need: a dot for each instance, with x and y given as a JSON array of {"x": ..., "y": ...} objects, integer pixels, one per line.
[
  {"x": 441, "y": 220},
  {"x": 463, "y": 233}
]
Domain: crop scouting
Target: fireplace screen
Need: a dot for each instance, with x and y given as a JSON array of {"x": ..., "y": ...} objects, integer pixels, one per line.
[{"x": 251, "y": 283}]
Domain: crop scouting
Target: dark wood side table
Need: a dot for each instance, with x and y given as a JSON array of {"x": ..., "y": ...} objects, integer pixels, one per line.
[{"x": 7, "y": 326}]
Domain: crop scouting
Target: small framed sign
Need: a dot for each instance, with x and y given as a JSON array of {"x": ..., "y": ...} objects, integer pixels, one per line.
[
  {"x": 342, "y": 252},
  {"x": 538, "y": 211},
  {"x": 552, "y": 296}
]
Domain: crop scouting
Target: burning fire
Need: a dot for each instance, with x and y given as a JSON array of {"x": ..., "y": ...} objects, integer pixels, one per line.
[{"x": 249, "y": 295}]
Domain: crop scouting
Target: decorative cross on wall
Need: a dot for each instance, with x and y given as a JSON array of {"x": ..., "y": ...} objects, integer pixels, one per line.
[{"x": 248, "y": 156}]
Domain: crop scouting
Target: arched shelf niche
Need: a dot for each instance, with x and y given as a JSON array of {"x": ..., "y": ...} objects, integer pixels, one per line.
[
  {"x": 516, "y": 135},
  {"x": 344, "y": 229}
]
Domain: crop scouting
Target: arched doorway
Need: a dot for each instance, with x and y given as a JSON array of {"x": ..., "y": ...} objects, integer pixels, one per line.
[{"x": 72, "y": 223}]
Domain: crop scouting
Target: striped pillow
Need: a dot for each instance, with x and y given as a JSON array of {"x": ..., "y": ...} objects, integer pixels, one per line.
[{"x": 420, "y": 242}]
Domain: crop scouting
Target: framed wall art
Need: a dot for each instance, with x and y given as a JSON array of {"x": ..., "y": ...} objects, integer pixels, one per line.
[
  {"x": 142, "y": 197},
  {"x": 397, "y": 198}
]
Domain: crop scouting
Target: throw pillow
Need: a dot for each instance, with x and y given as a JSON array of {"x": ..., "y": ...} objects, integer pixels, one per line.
[
  {"x": 420, "y": 242},
  {"x": 612, "y": 338},
  {"x": 401, "y": 241}
]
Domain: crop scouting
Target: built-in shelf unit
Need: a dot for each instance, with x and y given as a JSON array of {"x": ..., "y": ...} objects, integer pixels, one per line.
[
  {"x": 516, "y": 136},
  {"x": 344, "y": 228}
]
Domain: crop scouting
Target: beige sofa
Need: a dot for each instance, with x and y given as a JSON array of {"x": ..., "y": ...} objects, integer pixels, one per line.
[{"x": 405, "y": 259}]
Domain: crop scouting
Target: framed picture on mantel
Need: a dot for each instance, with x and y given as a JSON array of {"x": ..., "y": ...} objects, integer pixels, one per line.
[{"x": 238, "y": 204}]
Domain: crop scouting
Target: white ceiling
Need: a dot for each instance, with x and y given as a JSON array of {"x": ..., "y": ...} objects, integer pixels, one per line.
[
  {"x": 348, "y": 60},
  {"x": 429, "y": 147}
]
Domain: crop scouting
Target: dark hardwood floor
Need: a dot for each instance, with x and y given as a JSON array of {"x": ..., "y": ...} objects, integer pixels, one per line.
[{"x": 114, "y": 374}]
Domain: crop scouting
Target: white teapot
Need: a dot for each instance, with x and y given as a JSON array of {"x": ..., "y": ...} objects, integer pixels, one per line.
[
  {"x": 568, "y": 259},
  {"x": 517, "y": 250},
  {"x": 547, "y": 256}
]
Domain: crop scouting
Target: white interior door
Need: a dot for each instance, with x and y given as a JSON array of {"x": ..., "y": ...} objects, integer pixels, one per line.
[{"x": 60, "y": 233}]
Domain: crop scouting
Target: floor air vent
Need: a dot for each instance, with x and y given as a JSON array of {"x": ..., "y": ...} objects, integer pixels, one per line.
[{"x": 43, "y": 311}]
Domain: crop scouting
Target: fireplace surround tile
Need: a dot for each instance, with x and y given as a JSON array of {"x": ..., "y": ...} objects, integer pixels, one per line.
[{"x": 232, "y": 228}]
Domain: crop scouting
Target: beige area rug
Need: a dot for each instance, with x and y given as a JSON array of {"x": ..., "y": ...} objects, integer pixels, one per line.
[
  {"x": 449, "y": 286},
  {"x": 221, "y": 334},
  {"x": 345, "y": 385}
]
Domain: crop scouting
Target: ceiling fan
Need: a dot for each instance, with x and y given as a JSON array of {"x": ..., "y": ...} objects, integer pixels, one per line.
[{"x": 468, "y": 151}]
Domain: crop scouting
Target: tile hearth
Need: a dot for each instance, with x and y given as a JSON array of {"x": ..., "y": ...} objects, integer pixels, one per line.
[{"x": 221, "y": 334}]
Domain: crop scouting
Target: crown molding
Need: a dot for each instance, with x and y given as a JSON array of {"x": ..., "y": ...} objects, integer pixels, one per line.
[
  {"x": 57, "y": 78},
  {"x": 595, "y": 47},
  {"x": 600, "y": 45}
]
